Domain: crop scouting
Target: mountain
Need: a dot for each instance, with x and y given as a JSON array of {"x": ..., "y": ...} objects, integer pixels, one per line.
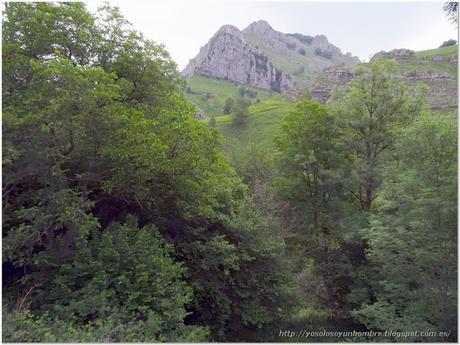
[
  {"x": 435, "y": 68},
  {"x": 265, "y": 58},
  {"x": 302, "y": 56},
  {"x": 228, "y": 55}
]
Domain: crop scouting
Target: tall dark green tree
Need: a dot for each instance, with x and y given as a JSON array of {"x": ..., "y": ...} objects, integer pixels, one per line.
[
  {"x": 228, "y": 106},
  {"x": 311, "y": 161},
  {"x": 413, "y": 235},
  {"x": 240, "y": 111},
  {"x": 375, "y": 104}
]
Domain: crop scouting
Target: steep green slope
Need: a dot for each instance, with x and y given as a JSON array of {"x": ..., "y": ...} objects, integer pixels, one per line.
[
  {"x": 263, "y": 124},
  {"x": 209, "y": 94}
]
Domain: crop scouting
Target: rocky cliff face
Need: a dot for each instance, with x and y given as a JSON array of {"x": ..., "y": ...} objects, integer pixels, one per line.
[
  {"x": 441, "y": 85},
  {"x": 302, "y": 56},
  {"x": 228, "y": 55},
  {"x": 263, "y": 57}
]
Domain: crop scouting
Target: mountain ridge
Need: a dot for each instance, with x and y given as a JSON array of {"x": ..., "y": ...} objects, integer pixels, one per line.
[{"x": 263, "y": 57}]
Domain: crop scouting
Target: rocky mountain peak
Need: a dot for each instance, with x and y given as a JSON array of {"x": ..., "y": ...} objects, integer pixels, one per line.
[
  {"x": 228, "y": 29},
  {"x": 259, "y": 27}
]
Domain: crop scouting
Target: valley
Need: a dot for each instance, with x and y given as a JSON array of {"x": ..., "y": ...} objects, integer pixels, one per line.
[{"x": 276, "y": 189}]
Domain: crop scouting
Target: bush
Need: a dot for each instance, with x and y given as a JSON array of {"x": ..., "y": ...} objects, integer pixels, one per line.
[
  {"x": 241, "y": 111},
  {"x": 323, "y": 53},
  {"x": 302, "y": 38},
  {"x": 302, "y": 51},
  {"x": 126, "y": 276},
  {"x": 448, "y": 43},
  {"x": 25, "y": 327},
  {"x": 247, "y": 92},
  {"x": 212, "y": 122},
  {"x": 300, "y": 71},
  {"x": 229, "y": 102}
]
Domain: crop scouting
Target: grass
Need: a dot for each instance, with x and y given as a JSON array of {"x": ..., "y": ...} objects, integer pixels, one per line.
[
  {"x": 264, "y": 123},
  {"x": 209, "y": 94},
  {"x": 445, "y": 51}
]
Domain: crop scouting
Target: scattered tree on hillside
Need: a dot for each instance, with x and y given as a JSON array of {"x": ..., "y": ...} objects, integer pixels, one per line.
[
  {"x": 228, "y": 107},
  {"x": 212, "y": 122},
  {"x": 240, "y": 111},
  {"x": 448, "y": 43}
]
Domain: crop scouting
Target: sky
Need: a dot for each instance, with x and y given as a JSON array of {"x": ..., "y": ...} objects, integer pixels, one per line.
[{"x": 361, "y": 28}]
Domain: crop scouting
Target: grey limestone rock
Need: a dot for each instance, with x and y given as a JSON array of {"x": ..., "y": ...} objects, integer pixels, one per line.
[{"x": 228, "y": 55}]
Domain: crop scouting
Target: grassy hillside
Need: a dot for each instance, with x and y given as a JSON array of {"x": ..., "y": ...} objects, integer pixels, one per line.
[
  {"x": 445, "y": 51},
  {"x": 263, "y": 124},
  {"x": 209, "y": 94},
  {"x": 266, "y": 115}
]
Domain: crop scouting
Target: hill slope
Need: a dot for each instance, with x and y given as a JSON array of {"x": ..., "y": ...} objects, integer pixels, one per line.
[
  {"x": 209, "y": 94},
  {"x": 435, "y": 68},
  {"x": 263, "y": 124}
]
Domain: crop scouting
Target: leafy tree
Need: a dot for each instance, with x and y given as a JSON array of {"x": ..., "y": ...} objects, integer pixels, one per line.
[
  {"x": 212, "y": 122},
  {"x": 228, "y": 107},
  {"x": 448, "y": 43},
  {"x": 374, "y": 106},
  {"x": 413, "y": 235},
  {"x": 300, "y": 71},
  {"x": 323, "y": 53},
  {"x": 451, "y": 10},
  {"x": 312, "y": 158},
  {"x": 240, "y": 111}
]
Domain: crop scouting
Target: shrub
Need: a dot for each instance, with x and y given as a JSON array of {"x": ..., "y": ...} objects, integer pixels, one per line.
[
  {"x": 323, "y": 53},
  {"x": 448, "y": 43}
]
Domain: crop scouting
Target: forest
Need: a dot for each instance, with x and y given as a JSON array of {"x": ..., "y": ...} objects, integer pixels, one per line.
[{"x": 125, "y": 219}]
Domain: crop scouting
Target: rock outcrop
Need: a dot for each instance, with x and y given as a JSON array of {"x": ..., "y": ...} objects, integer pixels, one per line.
[
  {"x": 395, "y": 54},
  {"x": 441, "y": 86},
  {"x": 228, "y": 55},
  {"x": 331, "y": 78}
]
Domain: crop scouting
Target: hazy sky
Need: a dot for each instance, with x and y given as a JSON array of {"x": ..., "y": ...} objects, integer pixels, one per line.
[{"x": 361, "y": 28}]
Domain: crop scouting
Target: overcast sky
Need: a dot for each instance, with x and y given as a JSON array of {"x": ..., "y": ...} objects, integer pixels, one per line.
[{"x": 361, "y": 28}]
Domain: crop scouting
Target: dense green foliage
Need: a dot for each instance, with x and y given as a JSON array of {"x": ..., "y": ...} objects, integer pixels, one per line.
[
  {"x": 125, "y": 219},
  {"x": 122, "y": 221},
  {"x": 412, "y": 235},
  {"x": 371, "y": 183}
]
